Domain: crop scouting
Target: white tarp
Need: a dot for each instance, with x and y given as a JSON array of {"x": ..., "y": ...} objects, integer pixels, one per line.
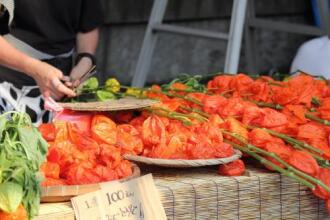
[{"x": 313, "y": 57}]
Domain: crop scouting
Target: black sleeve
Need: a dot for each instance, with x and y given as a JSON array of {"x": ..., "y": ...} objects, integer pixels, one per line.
[
  {"x": 4, "y": 28},
  {"x": 91, "y": 15}
]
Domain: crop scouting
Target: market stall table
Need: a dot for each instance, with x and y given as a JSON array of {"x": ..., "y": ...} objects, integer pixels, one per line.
[{"x": 202, "y": 194}]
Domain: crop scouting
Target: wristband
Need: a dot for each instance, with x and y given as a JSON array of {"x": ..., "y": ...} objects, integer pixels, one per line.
[{"x": 90, "y": 56}]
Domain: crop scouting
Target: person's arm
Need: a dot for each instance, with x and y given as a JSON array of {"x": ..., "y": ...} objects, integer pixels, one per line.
[
  {"x": 86, "y": 43},
  {"x": 47, "y": 77}
]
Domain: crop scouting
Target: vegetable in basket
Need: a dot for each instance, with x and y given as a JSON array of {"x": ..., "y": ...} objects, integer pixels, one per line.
[{"x": 22, "y": 151}]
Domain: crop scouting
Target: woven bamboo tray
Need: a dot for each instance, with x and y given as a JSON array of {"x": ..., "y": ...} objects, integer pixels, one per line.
[
  {"x": 65, "y": 193},
  {"x": 183, "y": 163},
  {"x": 199, "y": 193},
  {"x": 127, "y": 103},
  {"x": 258, "y": 195}
]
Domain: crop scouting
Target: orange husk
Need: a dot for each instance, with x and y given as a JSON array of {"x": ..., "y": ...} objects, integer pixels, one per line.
[
  {"x": 296, "y": 113},
  {"x": 321, "y": 144},
  {"x": 212, "y": 104},
  {"x": 103, "y": 129},
  {"x": 235, "y": 168},
  {"x": 281, "y": 150},
  {"x": 220, "y": 84},
  {"x": 155, "y": 93},
  {"x": 311, "y": 131},
  {"x": 19, "y": 214},
  {"x": 260, "y": 91},
  {"x": 324, "y": 176},
  {"x": 233, "y": 108},
  {"x": 128, "y": 139},
  {"x": 178, "y": 88},
  {"x": 304, "y": 162},
  {"x": 324, "y": 109},
  {"x": 304, "y": 86},
  {"x": 264, "y": 117},
  {"x": 285, "y": 96},
  {"x": 261, "y": 138},
  {"x": 235, "y": 126},
  {"x": 153, "y": 131},
  {"x": 241, "y": 83}
]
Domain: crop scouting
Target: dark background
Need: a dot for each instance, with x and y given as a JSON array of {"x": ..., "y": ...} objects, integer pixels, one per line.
[{"x": 125, "y": 23}]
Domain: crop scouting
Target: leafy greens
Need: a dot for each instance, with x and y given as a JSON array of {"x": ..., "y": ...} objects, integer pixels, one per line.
[{"x": 22, "y": 151}]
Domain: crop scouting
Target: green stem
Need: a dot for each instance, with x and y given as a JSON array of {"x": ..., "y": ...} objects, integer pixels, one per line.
[
  {"x": 224, "y": 93},
  {"x": 317, "y": 119},
  {"x": 13, "y": 174},
  {"x": 290, "y": 140},
  {"x": 199, "y": 118},
  {"x": 264, "y": 104},
  {"x": 91, "y": 91},
  {"x": 195, "y": 101},
  {"x": 278, "y": 159},
  {"x": 187, "y": 90},
  {"x": 182, "y": 90},
  {"x": 300, "y": 145},
  {"x": 196, "y": 111},
  {"x": 319, "y": 159},
  {"x": 266, "y": 162},
  {"x": 163, "y": 113},
  {"x": 275, "y": 84}
]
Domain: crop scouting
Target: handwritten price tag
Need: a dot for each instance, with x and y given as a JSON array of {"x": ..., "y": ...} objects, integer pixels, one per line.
[
  {"x": 137, "y": 199},
  {"x": 123, "y": 202},
  {"x": 89, "y": 206}
]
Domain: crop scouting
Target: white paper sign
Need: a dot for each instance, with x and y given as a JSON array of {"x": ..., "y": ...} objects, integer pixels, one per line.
[
  {"x": 137, "y": 199},
  {"x": 123, "y": 201},
  {"x": 89, "y": 206}
]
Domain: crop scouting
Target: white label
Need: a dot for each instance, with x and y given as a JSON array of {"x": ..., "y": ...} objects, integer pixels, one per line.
[
  {"x": 137, "y": 199},
  {"x": 89, "y": 206}
]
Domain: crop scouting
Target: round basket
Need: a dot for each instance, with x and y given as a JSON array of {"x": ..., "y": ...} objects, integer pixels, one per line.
[
  {"x": 65, "y": 193},
  {"x": 183, "y": 163},
  {"x": 127, "y": 103}
]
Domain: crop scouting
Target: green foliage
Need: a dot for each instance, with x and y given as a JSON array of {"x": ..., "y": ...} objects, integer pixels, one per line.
[{"x": 22, "y": 151}]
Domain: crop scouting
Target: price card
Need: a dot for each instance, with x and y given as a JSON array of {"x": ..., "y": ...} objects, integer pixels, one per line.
[
  {"x": 89, "y": 206},
  {"x": 137, "y": 199}
]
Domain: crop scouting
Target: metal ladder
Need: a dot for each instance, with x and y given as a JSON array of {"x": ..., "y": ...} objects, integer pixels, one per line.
[
  {"x": 253, "y": 23},
  {"x": 156, "y": 25}
]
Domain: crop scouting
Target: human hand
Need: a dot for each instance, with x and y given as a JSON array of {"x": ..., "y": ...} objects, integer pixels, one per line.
[
  {"x": 79, "y": 70},
  {"x": 49, "y": 79}
]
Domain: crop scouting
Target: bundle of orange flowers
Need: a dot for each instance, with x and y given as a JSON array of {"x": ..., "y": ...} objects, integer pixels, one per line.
[
  {"x": 283, "y": 124},
  {"x": 90, "y": 148},
  {"x": 85, "y": 151}
]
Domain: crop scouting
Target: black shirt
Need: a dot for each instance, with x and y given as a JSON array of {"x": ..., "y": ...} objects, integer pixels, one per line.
[{"x": 51, "y": 25}]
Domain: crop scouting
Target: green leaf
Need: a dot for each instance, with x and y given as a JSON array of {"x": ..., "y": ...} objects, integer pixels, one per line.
[
  {"x": 11, "y": 195},
  {"x": 91, "y": 84},
  {"x": 3, "y": 123},
  {"x": 22, "y": 150},
  {"x": 43, "y": 145},
  {"x": 103, "y": 95},
  {"x": 31, "y": 199},
  {"x": 316, "y": 101},
  {"x": 192, "y": 83},
  {"x": 31, "y": 143},
  {"x": 112, "y": 85}
]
